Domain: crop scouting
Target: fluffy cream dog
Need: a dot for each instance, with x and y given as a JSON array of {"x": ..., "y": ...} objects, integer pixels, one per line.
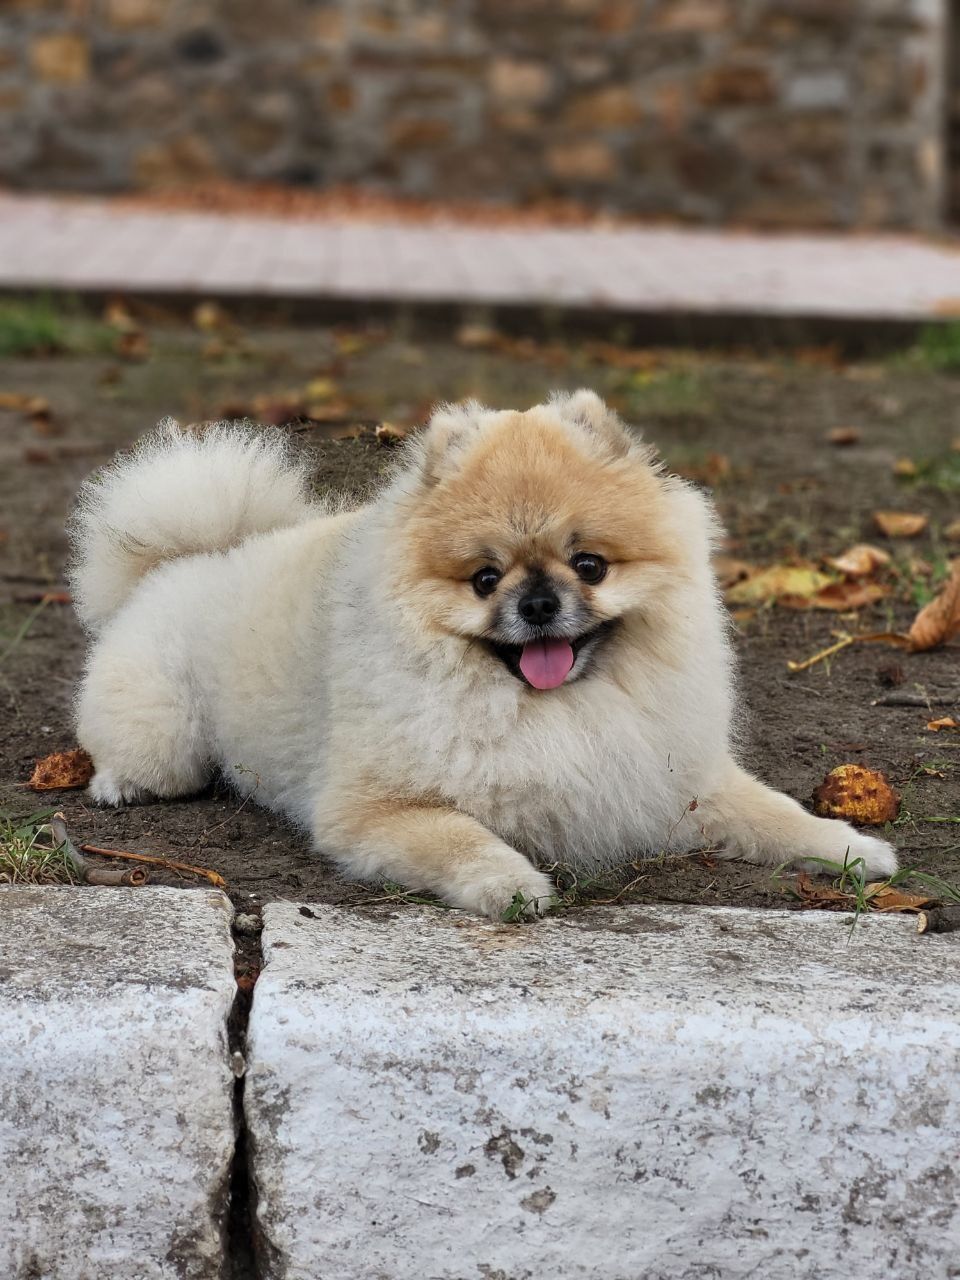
[{"x": 516, "y": 654}]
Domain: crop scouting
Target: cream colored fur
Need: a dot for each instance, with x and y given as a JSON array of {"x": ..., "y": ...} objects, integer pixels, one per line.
[{"x": 240, "y": 628}]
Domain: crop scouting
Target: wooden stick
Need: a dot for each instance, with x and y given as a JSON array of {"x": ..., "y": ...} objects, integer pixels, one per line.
[
  {"x": 167, "y": 863},
  {"x": 89, "y": 873},
  {"x": 824, "y": 653},
  {"x": 939, "y": 919}
]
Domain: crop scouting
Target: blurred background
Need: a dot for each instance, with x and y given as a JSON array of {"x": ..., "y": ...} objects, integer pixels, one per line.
[{"x": 782, "y": 113}]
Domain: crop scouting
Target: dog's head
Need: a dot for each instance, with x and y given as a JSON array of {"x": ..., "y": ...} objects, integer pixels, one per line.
[{"x": 535, "y": 534}]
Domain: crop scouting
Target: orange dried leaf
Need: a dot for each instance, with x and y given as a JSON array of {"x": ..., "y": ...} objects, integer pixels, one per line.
[
  {"x": 860, "y": 561},
  {"x": 900, "y": 524},
  {"x": 849, "y": 595},
  {"x": 843, "y": 436},
  {"x": 952, "y": 531},
  {"x": 905, "y": 467},
  {"x": 62, "y": 771},
  {"x": 390, "y": 433},
  {"x": 945, "y": 722},
  {"x": 858, "y": 795},
  {"x": 889, "y": 897},
  {"x": 938, "y": 621},
  {"x": 730, "y": 570}
]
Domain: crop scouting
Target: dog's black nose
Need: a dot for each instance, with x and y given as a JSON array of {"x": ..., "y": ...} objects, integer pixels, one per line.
[{"x": 538, "y": 606}]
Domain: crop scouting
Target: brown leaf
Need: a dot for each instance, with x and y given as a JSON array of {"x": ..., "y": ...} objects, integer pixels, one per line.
[
  {"x": 860, "y": 561},
  {"x": 842, "y": 437},
  {"x": 62, "y": 771},
  {"x": 900, "y": 524},
  {"x": 132, "y": 344},
  {"x": 390, "y": 433},
  {"x": 816, "y": 894},
  {"x": 938, "y": 621},
  {"x": 890, "y": 897},
  {"x": 209, "y": 317},
  {"x": 906, "y": 468},
  {"x": 858, "y": 795},
  {"x": 730, "y": 570},
  {"x": 15, "y": 401},
  {"x": 476, "y": 336},
  {"x": 945, "y": 722},
  {"x": 779, "y": 582},
  {"x": 842, "y": 596},
  {"x": 952, "y": 531}
]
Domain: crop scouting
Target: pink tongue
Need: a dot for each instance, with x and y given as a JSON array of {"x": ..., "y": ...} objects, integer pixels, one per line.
[{"x": 546, "y": 663}]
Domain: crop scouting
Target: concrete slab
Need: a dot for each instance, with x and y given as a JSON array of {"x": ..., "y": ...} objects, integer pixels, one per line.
[
  {"x": 116, "y": 1127},
  {"x": 104, "y": 246},
  {"x": 655, "y": 1092}
]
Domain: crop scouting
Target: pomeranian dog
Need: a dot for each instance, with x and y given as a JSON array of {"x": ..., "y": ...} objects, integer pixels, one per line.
[{"x": 516, "y": 655}]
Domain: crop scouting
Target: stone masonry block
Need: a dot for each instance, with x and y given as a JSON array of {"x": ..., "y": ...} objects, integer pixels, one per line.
[
  {"x": 656, "y": 1092},
  {"x": 116, "y": 1130}
]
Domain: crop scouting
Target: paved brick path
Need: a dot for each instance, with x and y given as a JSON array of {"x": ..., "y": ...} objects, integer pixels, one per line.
[{"x": 94, "y": 245}]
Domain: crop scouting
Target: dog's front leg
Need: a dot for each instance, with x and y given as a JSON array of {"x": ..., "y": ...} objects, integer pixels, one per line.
[
  {"x": 756, "y": 823},
  {"x": 429, "y": 847}
]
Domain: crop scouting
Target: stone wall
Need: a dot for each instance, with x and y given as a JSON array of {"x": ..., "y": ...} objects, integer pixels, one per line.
[{"x": 778, "y": 112}]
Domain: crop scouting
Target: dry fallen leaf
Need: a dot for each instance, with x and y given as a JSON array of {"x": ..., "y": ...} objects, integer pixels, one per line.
[
  {"x": 843, "y": 436},
  {"x": 945, "y": 722},
  {"x": 952, "y": 531},
  {"x": 476, "y": 336},
  {"x": 780, "y": 581},
  {"x": 860, "y": 561},
  {"x": 320, "y": 389},
  {"x": 938, "y": 621},
  {"x": 62, "y": 770},
  {"x": 905, "y": 467},
  {"x": 390, "y": 433},
  {"x": 730, "y": 570},
  {"x": 842, "y": 596},
  {"x": 210, "y": 316},
  {"x": 900, "y": 524},
  {"x": 890, "y": 897},
  {"x": 132, "y": 344},
  {"x": 858, "y": 795}
]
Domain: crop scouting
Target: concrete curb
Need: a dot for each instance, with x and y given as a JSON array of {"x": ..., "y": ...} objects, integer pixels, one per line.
[
  {"x": 653, "y": 1092},
  {"x": 117, "y": 1126}
]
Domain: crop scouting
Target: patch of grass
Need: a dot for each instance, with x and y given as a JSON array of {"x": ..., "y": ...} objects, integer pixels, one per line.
[
  {"x": 43, "y": 326},
  {"x": 666, "y": 393},
  {"x": 937, "y": 347},
  {"x": 31, "y": 327},
  {"x": 12, "y": 638},
  {"x": 850, "y": 878},
  {"x": 941, "y": 473},
  {"x": 26, "y": 855}
]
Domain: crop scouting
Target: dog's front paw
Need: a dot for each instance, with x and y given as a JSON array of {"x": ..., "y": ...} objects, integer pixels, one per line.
[
  {"x": 880, "y": 858},
  {"x": 510, "y": 896},
  {"x": 876, "y": 858}
]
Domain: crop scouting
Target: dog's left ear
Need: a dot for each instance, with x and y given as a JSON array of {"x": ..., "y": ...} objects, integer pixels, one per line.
[
  {"x": 588, "y": 411},
  {"x": 451, "y": 428}
]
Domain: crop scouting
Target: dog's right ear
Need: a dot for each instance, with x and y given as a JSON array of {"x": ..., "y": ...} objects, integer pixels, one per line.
[{"x": 451, "y": 428}]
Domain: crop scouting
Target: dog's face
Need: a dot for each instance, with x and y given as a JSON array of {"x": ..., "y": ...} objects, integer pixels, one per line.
[{"x": 534, "y": 534}]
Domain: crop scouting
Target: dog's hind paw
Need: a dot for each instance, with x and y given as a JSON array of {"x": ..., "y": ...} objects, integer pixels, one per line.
[{"x": 107, "y": 790}]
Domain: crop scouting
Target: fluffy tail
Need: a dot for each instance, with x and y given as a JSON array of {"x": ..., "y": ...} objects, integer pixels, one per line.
[{"x": 179, "y": 492}]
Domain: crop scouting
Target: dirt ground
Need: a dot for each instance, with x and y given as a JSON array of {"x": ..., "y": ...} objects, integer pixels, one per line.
[{"x": 754, "y": 428}]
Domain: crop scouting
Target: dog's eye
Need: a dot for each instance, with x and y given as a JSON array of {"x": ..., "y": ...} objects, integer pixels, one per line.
[
  {"x": 589, "y": 568},
  {"x": 485, "y": 580}
]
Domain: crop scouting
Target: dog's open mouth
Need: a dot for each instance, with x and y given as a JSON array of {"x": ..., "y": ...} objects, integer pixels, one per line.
[{"x": 545, "y": 663}]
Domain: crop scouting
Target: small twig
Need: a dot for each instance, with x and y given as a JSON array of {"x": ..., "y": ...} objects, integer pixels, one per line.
[
  {"x": 89, "y": 872},
  {"x": 944, "y": 919},
  {"x": 167, "y": 863},
  {"x": 824, "y": 653},
  {"x": 916, "y": 700}
]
